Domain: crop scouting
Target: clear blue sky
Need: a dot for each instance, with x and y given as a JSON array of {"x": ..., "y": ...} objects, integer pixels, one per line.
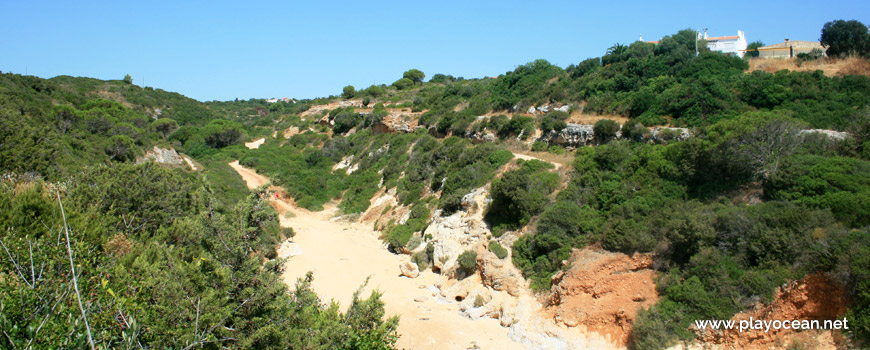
[{"x": 214, "y": 50}]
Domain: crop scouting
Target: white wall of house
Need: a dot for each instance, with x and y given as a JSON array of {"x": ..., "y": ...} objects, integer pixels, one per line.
[{"x": 733, "y": 44}]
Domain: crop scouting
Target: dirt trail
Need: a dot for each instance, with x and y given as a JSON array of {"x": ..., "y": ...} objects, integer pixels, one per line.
[
  {"x": 255, "y": 144},
  {"x": 342, "y": 255},
  {"x": 528, "y": 157}
]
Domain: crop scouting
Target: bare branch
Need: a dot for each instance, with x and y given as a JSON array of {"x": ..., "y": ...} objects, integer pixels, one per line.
[
  {"x": 15, "y": 263},
  {"x": 72, "y": 268}
]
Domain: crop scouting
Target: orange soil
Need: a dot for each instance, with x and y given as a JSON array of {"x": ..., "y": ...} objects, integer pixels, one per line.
[
  {"x": 603, "y": 292},
  {"x": 815, "y": 297}
]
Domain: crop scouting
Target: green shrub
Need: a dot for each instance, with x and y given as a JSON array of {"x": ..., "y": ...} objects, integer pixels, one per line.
[
  {"x": 553, "y": 121},
  {"x": 605, "y": 130},
  {"x": 539, "y": 146},
  {"x": 556, "y": 149},
  {"x": 468, "y": 261},
  {"x": 498, "y": 250},
  {"x": 403, "y": 83},
  {"x": 634, "y": 130}
]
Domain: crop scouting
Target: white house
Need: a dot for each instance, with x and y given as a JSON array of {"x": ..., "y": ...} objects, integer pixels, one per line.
[{"x": 735, "y": 44}]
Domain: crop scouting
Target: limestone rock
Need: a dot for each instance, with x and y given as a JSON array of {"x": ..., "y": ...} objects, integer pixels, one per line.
[
  {"x": 409, "y": 269},
  {"x": 836, "y": 135},
  {"x": 499, "y": 276},
  {"x": 564, "y": 108},
  {"x": 451, "y": 235},
  {"x": 162, "y": 156}
]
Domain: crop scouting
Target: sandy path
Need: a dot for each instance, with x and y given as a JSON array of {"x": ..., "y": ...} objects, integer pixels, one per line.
[
  {"x": 528, "y": 157},
  {"x": 342, "y": 255},
  {"x": 255, "y": 144},
  {"x": 252, "y": 179}
]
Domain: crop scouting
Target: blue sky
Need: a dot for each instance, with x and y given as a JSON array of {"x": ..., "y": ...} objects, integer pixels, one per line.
[{"x": 213, "y": 50}]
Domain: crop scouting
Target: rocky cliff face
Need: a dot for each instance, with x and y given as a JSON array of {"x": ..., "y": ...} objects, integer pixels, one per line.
[
  {"x": 602, "y": 292},
  {"x": 815, "y": 297},
  {"x": 461, "y": 231}
]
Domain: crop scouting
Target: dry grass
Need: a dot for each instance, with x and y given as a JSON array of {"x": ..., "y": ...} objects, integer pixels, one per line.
[
  {"x": 582, "y": 118},
  {"x": 830, "y": 67}
]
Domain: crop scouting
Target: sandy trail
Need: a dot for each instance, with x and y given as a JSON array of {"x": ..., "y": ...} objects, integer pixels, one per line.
[
  {"x": 528, "y": 157},
  {"x": 255, "y": 144},
  {"x": 342, "y": 255}
]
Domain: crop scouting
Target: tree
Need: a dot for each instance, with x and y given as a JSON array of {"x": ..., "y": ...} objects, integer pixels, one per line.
[
  {"x": 403, "y": 83},
  {"x": 348, "y": 92},
  {"x": 128, "y": 79},
  {"x": 164, "y": 126},
  {"x": 415, "y": 75},
  {"x": 121, "y": 148},
  {"x": 605, "y": 129},
  {"x": 375, "y": 91},
  {"x": 752, "y": 49},
  {"x": 617, "y": 49},
  {"x": 764, "y": 149},
  {"x": 842, "y": 38}
]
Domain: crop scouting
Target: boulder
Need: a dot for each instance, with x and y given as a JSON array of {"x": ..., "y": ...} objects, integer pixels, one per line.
[
  {"x": 409, "y": 269},
  {"x": 564, "y": 108},
  {"x": 499, "y": 276}
]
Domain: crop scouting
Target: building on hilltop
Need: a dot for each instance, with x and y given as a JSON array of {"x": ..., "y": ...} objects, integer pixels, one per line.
[
  {"x": 735, "y": 45},
  {"x": 789, "y": 48}
]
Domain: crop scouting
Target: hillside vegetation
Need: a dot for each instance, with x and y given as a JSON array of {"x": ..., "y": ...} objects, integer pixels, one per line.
[{"x": 168, "y": 257}]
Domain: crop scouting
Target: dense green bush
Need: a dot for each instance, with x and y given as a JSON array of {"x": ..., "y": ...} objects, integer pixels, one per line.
[
  {"x": 178, "y": 272},
  {"x": 553, "y": 121},
  {"x": 467, "y": 261},
  {"x": 520, "y": 194},
  {"x": 605, "y": 130},
  {"x": 498, "y": 250}
]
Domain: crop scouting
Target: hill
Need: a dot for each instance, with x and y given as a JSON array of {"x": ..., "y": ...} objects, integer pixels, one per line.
[{"x": 725, "y": 184}]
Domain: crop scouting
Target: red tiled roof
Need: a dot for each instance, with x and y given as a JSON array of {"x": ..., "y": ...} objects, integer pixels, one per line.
[
  {"x": 722, "y": 37},
  {"x": 652, "y": 42}
]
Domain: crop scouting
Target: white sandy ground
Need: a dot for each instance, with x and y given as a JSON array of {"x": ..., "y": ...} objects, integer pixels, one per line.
[
  {"x": 255, "y": 144},
  {"x": 343, "y": 255}
]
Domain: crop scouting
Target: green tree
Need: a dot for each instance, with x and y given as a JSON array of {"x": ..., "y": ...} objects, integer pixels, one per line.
[
  {"x": 128, "y": 79},
  {"x": 121, "y": 148},
  {"x": 752, "y": 49},
  {"x": 605, "y": 129},
  {"x": 842, "y": 38},
  {"x": 403, "y": 83},
  {"x": 415, "y": 75},
  {"x": 164, "y": 126},
  {"x": 374, "y": 91},
  {"x": 348, "y": 92}
]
